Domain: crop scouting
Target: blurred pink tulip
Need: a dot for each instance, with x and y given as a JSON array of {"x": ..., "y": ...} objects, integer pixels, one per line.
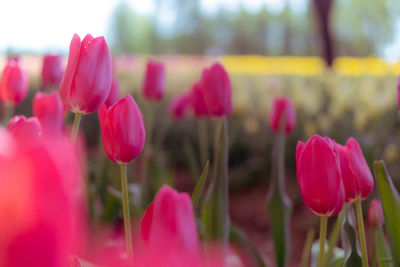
[
  {"x": 282, "y": 106},
  {"x": 14, "y": 83},
  {"x": 21, "y": 127},
  {"x": 357, "y": 177},
  {"x": 179, "y": 105},
  {"x": 114, "y": 94},
  {"x": 199, "y": 104},
  {"x": 122, "y": 130},
  {"x": 375, "y": 213},
  {"x": 154, "y": 81},
  {"x": 86, "y": 83},
  {"x": 52, "y": 71},
  {"x": 49, "y": 109}
]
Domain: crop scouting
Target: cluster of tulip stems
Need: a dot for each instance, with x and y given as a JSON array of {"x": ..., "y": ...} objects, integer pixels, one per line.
[{"x": 43, "y": 182}]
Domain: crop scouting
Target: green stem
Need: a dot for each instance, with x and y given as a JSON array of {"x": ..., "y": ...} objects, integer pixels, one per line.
[
  {"x": 361, "y": 233},
  {"x": 125, "y": 207},
  {"x": 145, "y": 181},
  {"x": 75, "y": 127},
  {"x": 374, "y": 238},
  {"x": 322, "y": 237},
  {"x": 8, "y": 113},
  {"x": 203, "y": 141},
  {"x": 307, "y": 248}
]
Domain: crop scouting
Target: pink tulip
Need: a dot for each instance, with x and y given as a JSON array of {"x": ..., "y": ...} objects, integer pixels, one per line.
[
  {"x": 282, "y": 107},
  {"x": 154, "y": 81},
  {"x": 122, "y": 130},
  {"x": 114, "y": 94},
  {"x": 49, "y": 109},
  {"x": 21, "y": 127},
  {"x": 357, "y": 178},
  {"x": 52, "y": 71},
  {"x": 199, "y": 104},
  {"x": 398, "y": 91},
  {"x": 180, "y": 105},
  {"x": 168, "y": 229},
  {"x": 217, "y": 89},
  {"x": 86, "y": 83},
  {"x": 319, "y": 177},
  {"x": 14, "y": 83},
  {"x": 375, "y": 213}
]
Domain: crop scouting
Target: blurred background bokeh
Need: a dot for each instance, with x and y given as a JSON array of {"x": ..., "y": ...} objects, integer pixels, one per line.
[{"x": 337, "y": 60}]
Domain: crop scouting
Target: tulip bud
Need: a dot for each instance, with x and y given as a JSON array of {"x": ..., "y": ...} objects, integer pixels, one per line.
[
  {"x": 114, "y": 94},
  {"x": 199, "y": 104},
  {"x": 49, "y": 109},
  {"x": 21, "y": 127},
  {"x": 357, "y": 178},
  {"x": 180, "y": 105},
  {"x": 122, "y": 130},
  {"x": 319, "y": 177},
  {"x": 375, "y": 213},
  {"x": 168, "y": 229},
  {"x": 282, "y": 107},
  {"x": 52, "y": 71},
  {"x": 87, "y": 79},
  {"x": 217, "y": 90},
  {"x": 154, "y": 81},
  {"x": 14, "y": 83}
]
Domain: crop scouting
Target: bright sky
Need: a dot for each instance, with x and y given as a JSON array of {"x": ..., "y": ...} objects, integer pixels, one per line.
[{"x": 48, "y": 25}]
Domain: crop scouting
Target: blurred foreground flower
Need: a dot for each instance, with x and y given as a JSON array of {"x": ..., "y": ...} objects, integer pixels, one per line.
[
  {"x": 52, "y": 71},
  {"x": 49, "y": 109},
  {"x": 14, "y": 83},
  {"x": 180, "y": 105},
  {"x": 154, "y": 81},
  {"x": 21, "y": 127}
]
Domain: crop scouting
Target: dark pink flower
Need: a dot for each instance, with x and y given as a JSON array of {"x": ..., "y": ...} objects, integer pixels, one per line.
[
  {"x": 14, "y": 83},
  {"x": 52, "y": 71},
  {"x": 282, "y": 107},
  {"x": 154, "y": 81},
  {"x": 49, "y": 109}
]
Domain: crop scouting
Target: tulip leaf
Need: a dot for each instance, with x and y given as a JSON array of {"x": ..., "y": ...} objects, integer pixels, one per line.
[
  {"x": 349, "y": 241},
  {"x": 239, "y": 237},
  {"x": 335, "y": 233},
  {"x": 307, "y": 248},
  {"x": 384, "y": 256},
  {"x": 198, "y": 190},
  {"x": 191, "y": 158},
  {"x": 390, "y": 200}
]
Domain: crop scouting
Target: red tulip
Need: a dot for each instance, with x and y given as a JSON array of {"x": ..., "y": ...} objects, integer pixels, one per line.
[
  {"x": 154, "y": 81},
  {"x": 14, "y": 83},
  {"x": 21, "y": 127},
  {"x": 36, "y": 197},
  {"x": 122, "y": 130},
  {"x": 49, "y": 109},
  {"x": 52, "y": 71},
  {"x": 375, "y": 213},
  {"x": 168, "y": 229},
  {"x": 180, "y": 105},
  {"x": 199, "y": 104},
  {"x": 282, "y": 106},
  {"x": 357, "y": 178},
  {"x": 87, "y": 79},
  {"x": 114, "y": 94},
  {"x": 217, "y": 90},
  {"x": 319, "y": 177}
]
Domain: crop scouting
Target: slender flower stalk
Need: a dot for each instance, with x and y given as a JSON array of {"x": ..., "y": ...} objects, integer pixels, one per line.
[
  {"x": 75, "y": 127},
  {"x": 361, "y": 233},
  {"x": 203, "y": 141},
  {"x": 322, "y": 237},
  {"x": 125, "y": 207},
  {"x": 144, "y": 168}
]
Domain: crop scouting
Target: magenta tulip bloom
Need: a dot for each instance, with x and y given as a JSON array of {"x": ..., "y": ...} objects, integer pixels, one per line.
[
  {"x": 49, "y": 109},
  {"x": 122, "y": 130},
  {"x": 398, "y": 91},
  {"x": 282, "y": 106},
  {"x": 168, "y": 229},
  {"x": 14, "y": 83},
  {"x": 52, "y": 71},
  {"x": 217, "y": 89},
  {"x": 180, "y": 105},
  {"x": 357, "y": 178},
  {"x": 319, "y": 177},
  {"x": 114, "y": 94},
  {"x": 375, "y": 213},
  {"x": 199, "y": 104},
  {"x": 21, "y": 127},
  {"x": 87, "y": 79},
  {"x": 154, "y": 81}
]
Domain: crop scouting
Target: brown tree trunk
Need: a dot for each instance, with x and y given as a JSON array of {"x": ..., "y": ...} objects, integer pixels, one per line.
[{"x": 323, "y": 10}]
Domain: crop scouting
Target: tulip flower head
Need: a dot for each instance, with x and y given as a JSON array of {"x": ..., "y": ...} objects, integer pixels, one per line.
[
  {"x": 14, "y": 83},
  {"x": 357, "y": 177},
  {"x": 21, "y": 127},
  {"x": 282, "y": 107},
  {"x": 86, "y": 83},
  {"x": 114, "y": 94},
  {"x": 49, "y": 110},
  {"x": 154, "y": 81},
  {"x": 319, "y": 176},
  {"x": 122, "y": 130},
  {"x": 168, "y": 229},
  {"x": 375, "y": 213},
  {"x": 52, "y": 71},
  {"x": 217, "y": 89},
  {"x": 199, "y": 105},
  {"x": 180, "y": 105}
]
